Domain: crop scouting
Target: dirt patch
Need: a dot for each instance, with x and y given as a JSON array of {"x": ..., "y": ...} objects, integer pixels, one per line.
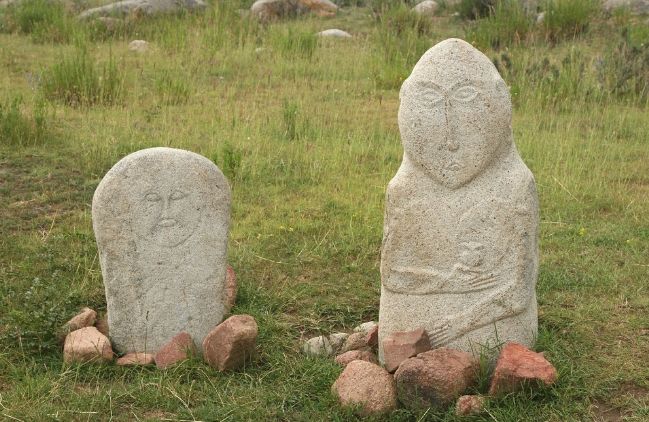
[
  {"x": 604, "y": 412},
  {"x": 633, "y": 390}
]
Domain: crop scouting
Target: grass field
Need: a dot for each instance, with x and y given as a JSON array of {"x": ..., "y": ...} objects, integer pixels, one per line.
[{"x": 305, "y": 129}]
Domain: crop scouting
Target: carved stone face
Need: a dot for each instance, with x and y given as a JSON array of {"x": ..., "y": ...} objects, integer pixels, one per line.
[
  {"x": 455, "y": 113},
  {"x": 166, "y": 211}
]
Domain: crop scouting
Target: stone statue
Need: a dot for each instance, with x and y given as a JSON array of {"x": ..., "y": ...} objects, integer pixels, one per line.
[
  {"x": 161, "y": 219},
  {"x": 460, "y": 248}
]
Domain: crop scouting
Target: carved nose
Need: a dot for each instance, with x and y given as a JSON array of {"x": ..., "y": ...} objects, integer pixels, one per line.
[{"x": 451, "y": 143}]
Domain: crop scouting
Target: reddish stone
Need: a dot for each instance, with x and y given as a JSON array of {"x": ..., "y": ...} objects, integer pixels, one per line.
[
  {"x": 102, "y": 325},
  {"x": 230, "y": 344},
  {"x": 85, "y": 345},
  {"x": 517, "y": 365},
  {"x": 435, "y": 378},
  {"x": 355, "y": 341},
  {"x": 347, "y": 357},
  {"x": 85, "y": 318},
  {"x": 179, "y": 348},
  {"x": 401, "y": 345},
  {"x": 372, "y": 337},
  {"x": 132, "y": 359},
  {"x": 367, "y": 386},
  {"x": 470, "y": 405},
  {"x": 230, "y": 288}
]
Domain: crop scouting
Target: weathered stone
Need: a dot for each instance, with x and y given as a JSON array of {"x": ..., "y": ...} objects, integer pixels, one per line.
[
  {"x": 426, "y": 8},
  {"x": 144, "y": 8},
  {"x": 138, "y": 46},
  {"x": 337, "y": 340},
  {"x": 230, "y": 288},
  {"x": 85, "y": 345},
  {"x": 460, "y": 250},
  {"x": 356, "y": 341},
  {"x": 102, "y": 325},
  {"x": 366, "y": 327},
  {"x": 179, "y": 348},
  {"x": 267, "y": 10},
  {"x": 401, "y": 345},
  {"x": 347, "y": 357},
  {"x": 372, "y": 337},
  {"x": 367, "y": 386},
  {"x": 231, "y": 343},
  {"x": 134, "y": 359},
  {"x": 85, "y": 318},
  {"x": 470, "y": 405},
  {"x": 518, "y": 365},
  {"x": 161, "y": 219},
  {"x": 334, "y": 33},
  {"x": 317, "y": 346},
  {"x": 435, "y": 378}
]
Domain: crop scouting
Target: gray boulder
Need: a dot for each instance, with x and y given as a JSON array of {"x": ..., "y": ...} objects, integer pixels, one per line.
[
  {"x": 144, "y": 8},
  {"x": 267, "y": 10}
]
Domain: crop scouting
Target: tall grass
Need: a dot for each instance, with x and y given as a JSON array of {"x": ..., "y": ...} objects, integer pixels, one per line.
[
  {"x": 474, "y": 9},
  {"x": 294, "y": 42},
  {"x": 507, "y": 24},
  {"x": 19, "y": 127},
  {"x": 401, "y": 37},
  {"x": 77, "y": 80},
  {"x": 173, "y": 88},
  {"x": 565, "y": 19},
  {"x": 44, "y": 20},
  {"x": 624, "y": 68}
]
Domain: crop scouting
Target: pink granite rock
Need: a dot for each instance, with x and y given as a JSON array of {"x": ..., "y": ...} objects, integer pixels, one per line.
[
  {"x": 85, "y": 318},
  {"x": 469, "y": 405},
  {"x": 347, "y": 357},
  {"x": 372, "y": 337},
  {"x": 231, "y": 343},
  {"x": 435, "y": 378},
  {"x": 102, "y": 325},
  {"x": 85, "y": 345},
  {"x": 517, "y": 365},
  {"x": 355, "y": 341},
  {"x": 401, "y": 345},
  {"x": 133, "y": 359},
  {"x": 368, "y": 386},
  {"x": 179, "y": 348}
]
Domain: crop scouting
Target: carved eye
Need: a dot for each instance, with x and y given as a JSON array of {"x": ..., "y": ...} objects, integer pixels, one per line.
[
  {"x": 176, "y": 195},
  {"x": 152, "y": 197},
  {"x": 431, "y": 96},
  {"x": 466, "y": 93}
]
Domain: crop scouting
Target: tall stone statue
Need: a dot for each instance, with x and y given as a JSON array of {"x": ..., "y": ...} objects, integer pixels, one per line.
[
  {"x": 161, "y": 219},
  {"x": 460, "y": 242}
]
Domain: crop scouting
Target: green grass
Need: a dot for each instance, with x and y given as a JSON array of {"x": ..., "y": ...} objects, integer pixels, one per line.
[
  {"x": 306, "y": 132},
  {"x": 76, "y": 80}
]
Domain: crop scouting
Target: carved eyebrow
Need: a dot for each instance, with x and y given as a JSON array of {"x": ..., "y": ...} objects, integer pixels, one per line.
[{"x": 431, "y": 85}]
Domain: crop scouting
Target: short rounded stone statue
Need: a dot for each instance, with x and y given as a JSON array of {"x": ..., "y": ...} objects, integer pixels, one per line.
[
  {"x": 161, "y": 219},
  {"x": 460, "y": 249}
]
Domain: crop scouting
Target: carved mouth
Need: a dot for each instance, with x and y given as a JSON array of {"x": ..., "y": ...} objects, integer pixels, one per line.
[{"x": 167, "y": 222}]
